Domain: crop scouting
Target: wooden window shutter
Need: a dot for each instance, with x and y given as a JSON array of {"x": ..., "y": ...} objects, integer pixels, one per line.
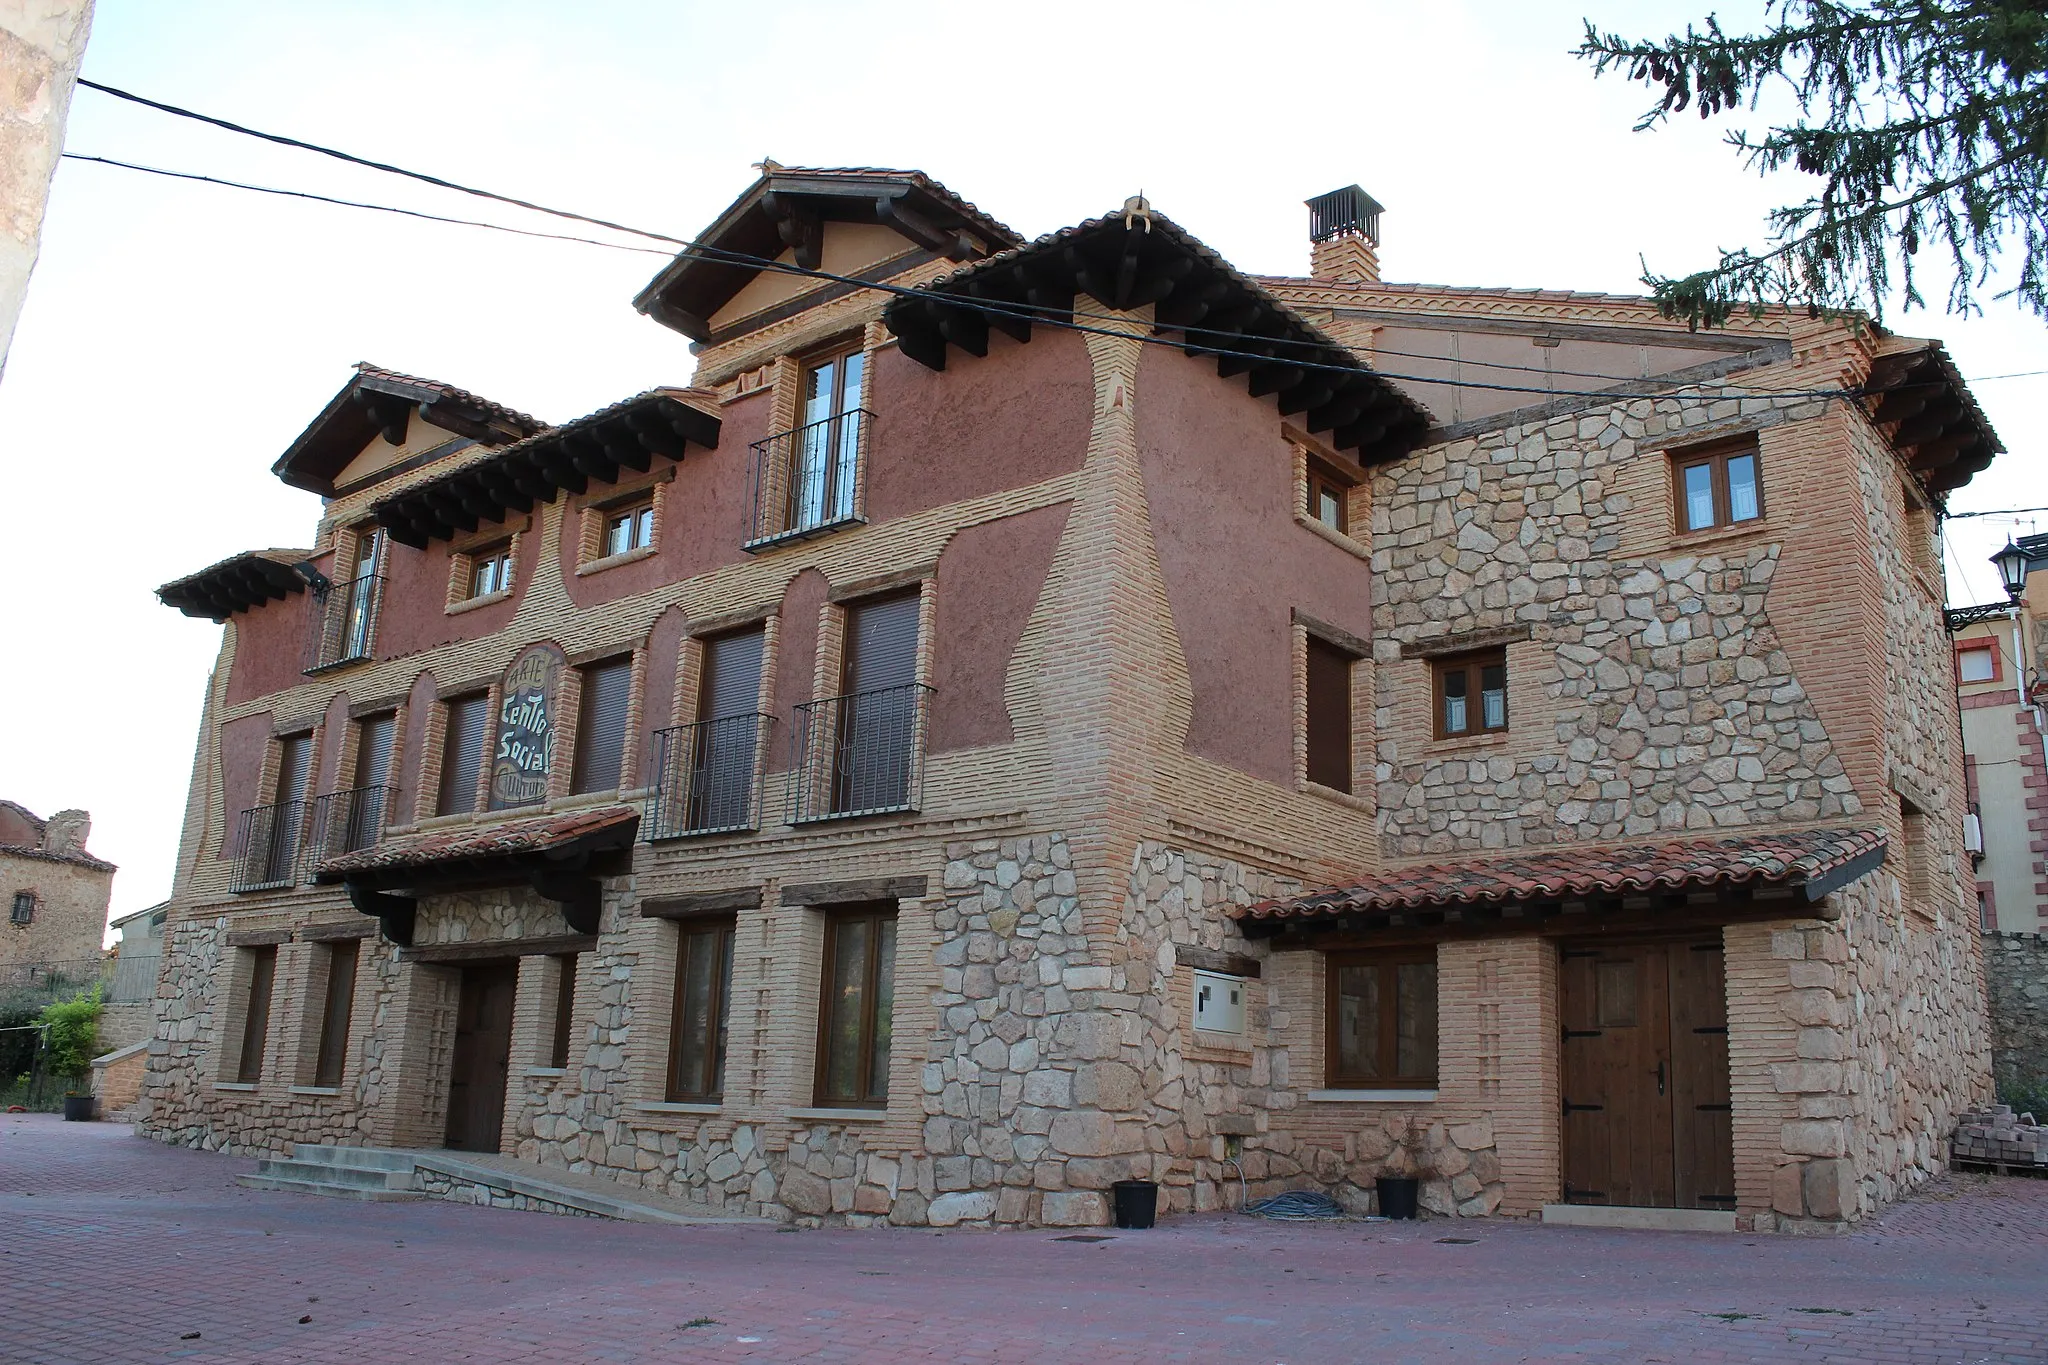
[
  {"x": 334, "y": 1019},
  {"x": 732, "y": 675},
  {"x": 601, "y": 728},
  {"x": 1329, "y": 715},
  {"x": 462, "y": 758},
  {"x": 256, "y": 1023},
  {"x": 881, "y": 645}
]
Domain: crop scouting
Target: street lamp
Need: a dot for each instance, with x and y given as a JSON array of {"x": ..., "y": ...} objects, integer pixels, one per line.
[{"x": 2011, "y": 563}]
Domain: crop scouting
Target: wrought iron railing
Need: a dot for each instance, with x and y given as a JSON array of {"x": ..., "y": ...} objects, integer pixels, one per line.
[
  {"x": 345, "y": 622},
  {"x": 809, "y": 480},
  {"x": 266, "y": 847},
  {"x": 861, "y": 754},
  {"x": 346, "y": 821},
  {"x": 707, "y": 777}
]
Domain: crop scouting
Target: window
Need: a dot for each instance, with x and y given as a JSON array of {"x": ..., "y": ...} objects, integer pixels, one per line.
[
  {"x": 565, "y": 1010},
  {"x": 1381, "y": 1021},
  {"x": 630, "y": 527},
  {"x": 1717, "y": 485},
  {"x": 601, "y": 726},
  {"x": 369, "y": 802},
  {"x": 1977, "y": 664},
  {"x": 722, "y": 766},
  {"x": 334, "y": 1017},
  {"x": 1328, "y": 715},
  {"x": 856, "y": 1007},
  {"x": 360, "y": 609},
  {"x": 825, "y": 457},
  {"x": 272, "y": 849},
  {"x": 462, "y": 754},
  {"x": 1471, "y": 694},
  {"x": 24, "y": 911},
  {"x": 490, "y": 569},
  {"x": 1326, "y": 501},
  {"x": 262, "y": 965},
  {"x": 878, "y": 720},
  {"x": 697, "y": 1029}
]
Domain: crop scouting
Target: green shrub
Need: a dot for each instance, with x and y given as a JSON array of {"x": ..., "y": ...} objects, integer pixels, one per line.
[
  {"x": 2025, "y": 1097},
  {"x": 72, "y": 1028}
]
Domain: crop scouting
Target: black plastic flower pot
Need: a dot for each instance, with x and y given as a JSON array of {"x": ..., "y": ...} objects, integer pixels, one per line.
[
  {"x": 1397, "y": 1195},
  {"x": 1136, "y": 1201},
  {"x": 79, "y": 1108}
]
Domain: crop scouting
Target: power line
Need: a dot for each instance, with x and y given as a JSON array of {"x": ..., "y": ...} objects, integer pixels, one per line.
[
  {"x": 1999, "y": 511},
  {"x": 1021, "y": 312},
  {"x": 359, "y": 204}
]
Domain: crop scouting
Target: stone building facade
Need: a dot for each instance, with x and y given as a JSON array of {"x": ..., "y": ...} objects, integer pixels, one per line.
[
  {"x": 2002, "y": 671},
  {"x": 1083, "y": 713},
  {"x": 56, "y": 895}
]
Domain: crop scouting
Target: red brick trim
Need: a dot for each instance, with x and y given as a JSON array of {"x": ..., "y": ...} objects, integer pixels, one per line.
[
  {"x": 1981, "y": 642},
  {"x": 1978, "y": 700}
]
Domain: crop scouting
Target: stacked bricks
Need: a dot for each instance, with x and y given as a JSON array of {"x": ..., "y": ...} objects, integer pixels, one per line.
[{"x": 1997, "y": 1137}]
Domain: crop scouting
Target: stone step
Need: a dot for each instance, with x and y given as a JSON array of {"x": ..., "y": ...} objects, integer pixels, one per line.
[
  {"x": 327, "y": 1189},
  {"x": 361, "y": 1158},
  {"x": 367, "y": 1177}
]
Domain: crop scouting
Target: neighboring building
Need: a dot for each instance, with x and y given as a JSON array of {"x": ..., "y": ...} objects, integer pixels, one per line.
[
  {"x": 41, "y": 45},
  {"x": 56, "y": 895},
  {"x": 130, "y": 991},
  {"x": 892, "y": 777},
  {"x": 2002, "y": 669}
]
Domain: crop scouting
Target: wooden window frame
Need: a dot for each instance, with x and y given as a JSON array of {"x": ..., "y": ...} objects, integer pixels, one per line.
[
  {"x": 835, "y": 917},
  {"x": 261, "y": 964},
  {"x": 631, "y": 511},
  {"x": 1321, "y": 483},
  {"x": 1388, "y": 962},
  {"x": 499, "y": 554},
  {"x": 709, "y": 1089},
  {"x": 1716, "y": 455},
  {"x": 23, "y": 900},
  {"x": 1471, "y": 664},
  {"x": 337, "y": 1012},
  {"x": 1315, "y": 642}
]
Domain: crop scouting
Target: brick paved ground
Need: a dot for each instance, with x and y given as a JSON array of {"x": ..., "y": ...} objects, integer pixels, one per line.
[{"x": 113, "y": 1249}]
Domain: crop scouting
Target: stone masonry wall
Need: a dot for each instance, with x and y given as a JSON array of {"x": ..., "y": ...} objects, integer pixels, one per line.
[
  {"x": 2016, "y": 978},
  {"x": 1652, "y": 665}
]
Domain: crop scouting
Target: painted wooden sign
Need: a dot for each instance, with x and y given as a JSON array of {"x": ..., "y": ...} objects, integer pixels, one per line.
[{"x": 524, "y": 758}]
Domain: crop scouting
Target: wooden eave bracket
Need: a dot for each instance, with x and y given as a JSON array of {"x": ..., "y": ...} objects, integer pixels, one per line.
[{"x": 396, "y": 915}]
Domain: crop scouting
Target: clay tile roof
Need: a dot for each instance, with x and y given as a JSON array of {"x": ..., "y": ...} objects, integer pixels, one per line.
[
  {"x": 379, "y": 401},
  {"x": 470, "y": 843},
  {"x": 237, "y": 583},
  {"x": 1148, "y": 256},
  {"x": 1815, "y": 859},
  {"x": 392, "y": 381}
]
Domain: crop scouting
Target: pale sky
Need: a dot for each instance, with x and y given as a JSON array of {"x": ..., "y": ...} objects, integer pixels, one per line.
[{"x": 178, "y": 336}]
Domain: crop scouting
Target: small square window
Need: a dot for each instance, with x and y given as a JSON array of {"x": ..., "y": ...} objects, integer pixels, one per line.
[
  {"x": 629, "y": 528},
  {"x": 1977, "y": 665},
  {"x": 490, "y": 570},
  {"x": 1471, "y": 694},
  {"x": 1326, "y": 503},
  {"x": 1381, "y": 1020},
  {"x": 1717, "y": 485}
]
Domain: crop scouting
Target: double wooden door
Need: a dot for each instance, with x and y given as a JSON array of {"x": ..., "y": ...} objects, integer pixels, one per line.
[
  {"x": 483, "y": 1056},
  {"x": 1646, "y": 1110}
]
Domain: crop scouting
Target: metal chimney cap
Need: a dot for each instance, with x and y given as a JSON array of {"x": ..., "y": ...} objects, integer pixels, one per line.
[{"x": 1350, "y": 209}]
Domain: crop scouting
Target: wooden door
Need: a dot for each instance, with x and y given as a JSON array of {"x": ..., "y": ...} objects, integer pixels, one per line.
[
  {"x": 483, "y": 1056},
  {"x": 1646, "y": 1111}
]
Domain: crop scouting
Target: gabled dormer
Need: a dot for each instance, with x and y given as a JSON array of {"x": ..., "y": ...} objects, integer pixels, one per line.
[
  {"x": 862, "y": 223},
  {"x": 383, "y": 423}
]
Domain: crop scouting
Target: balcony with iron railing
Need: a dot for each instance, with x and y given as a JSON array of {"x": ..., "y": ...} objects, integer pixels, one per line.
[
  {"x": 808, "y": 481},
  {"x": 344, "y": 623},
  {"x": 861, "y": 754},
  {"x": 707, "y": 777},
  {"x": 266, "y": 847},
  {"x": 346, "y": 821}
]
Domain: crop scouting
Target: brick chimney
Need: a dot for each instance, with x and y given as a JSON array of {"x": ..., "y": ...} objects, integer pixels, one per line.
[{"x": 1344, "y": 236}]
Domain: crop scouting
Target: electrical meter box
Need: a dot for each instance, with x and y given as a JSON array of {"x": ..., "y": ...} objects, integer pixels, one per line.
[{"x": 1219, "y": 1002}]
